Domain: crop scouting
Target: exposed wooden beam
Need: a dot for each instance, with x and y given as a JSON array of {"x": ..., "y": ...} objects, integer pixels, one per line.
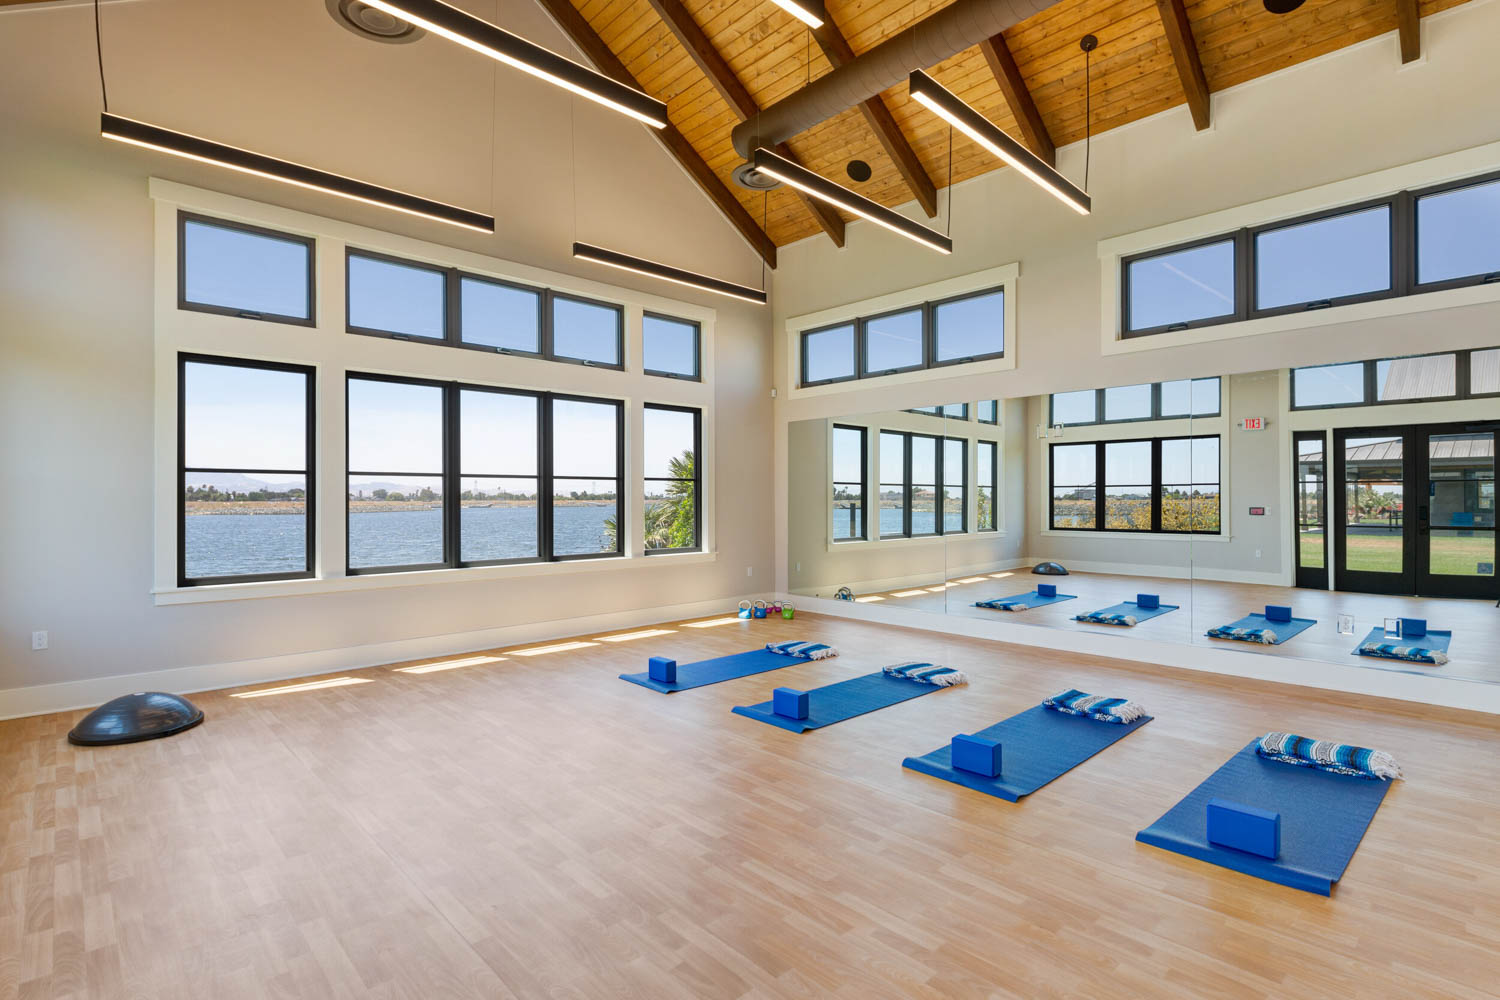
[
  {"x": 678, "y": 19},
  {"x": 837, "y": 49},
  {"x": 1409, "y": 25},
  {"x": 1185, "y": 54},
  {"x": 1018, "y": 97},
  {"x": 573, "y": 24}
]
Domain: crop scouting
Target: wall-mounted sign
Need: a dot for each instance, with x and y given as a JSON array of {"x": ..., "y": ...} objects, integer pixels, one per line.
[
  {"x": 1257, "y": 512},
  {"x": 1253, "y": 424}
]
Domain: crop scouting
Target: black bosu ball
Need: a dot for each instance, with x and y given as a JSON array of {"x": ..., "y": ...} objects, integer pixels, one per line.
[
  {"x": 1049, "y": 569},
  {"x": 131, "y": 718}
]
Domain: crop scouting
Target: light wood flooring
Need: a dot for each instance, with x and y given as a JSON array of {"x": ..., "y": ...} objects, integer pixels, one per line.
[{"x": 534, "y": 827}]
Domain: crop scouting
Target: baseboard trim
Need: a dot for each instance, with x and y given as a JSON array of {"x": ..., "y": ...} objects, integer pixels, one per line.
[
  {"x": 1180, "y": 572},
  {"x": 923, "y": 579},
  {"x": 69, "y": 696},
  {"x": 1448, "y": 692}
]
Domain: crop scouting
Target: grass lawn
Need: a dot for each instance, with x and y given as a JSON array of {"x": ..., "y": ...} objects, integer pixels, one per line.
[{"x": 1452, "y": 555}]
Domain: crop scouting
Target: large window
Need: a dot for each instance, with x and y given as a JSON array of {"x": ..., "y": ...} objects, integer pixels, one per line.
[
  {"x": 586, "y": 332},
  {"x": 1415, "y": 241},
  {"x": 928, "y": 335},
  {"x": 396, "y": 298},
  {"x": 671, "y": 503},
  {"x": 924, "y": 461},
  {"x": 1422, "y": 378},
  {"x": 238, "y": 270},
  {"x": 670, "y": 346},
  {"x": 1154, "y": 484},
  {"x": 923, "y": 485},
  {"x": 986, "y": 485},
  {"x": 245, "y": 447},
  {"x": 849, "y": 471},
  {"x": 443, "y": 474},
  {"x": 893, "y": 489},
  {"x": 989, "y": 411},
  {"x": 955, "y": 486},
  {"x": 1198, "y": 397},
  {"x": 499, "y": 316}
]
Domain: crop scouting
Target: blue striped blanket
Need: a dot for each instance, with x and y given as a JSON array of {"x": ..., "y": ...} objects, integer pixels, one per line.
[
  {"x": 1002, "y": 605},
  {"x": 1076, "y": 702},
  {"x": 1264, "y": 635},
  {"x": 1100, "y": 618},
  {"x": 799, "y": 650},
  {"x": 1391, "y": 651},
  {"x": 1326, "y": 755},
  {"x": 927, "y": 673}
]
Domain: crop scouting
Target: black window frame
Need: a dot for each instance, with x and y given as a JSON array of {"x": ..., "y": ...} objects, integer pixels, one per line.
[
  {"x": 452, "y": 475},
  {"x": 697, "y": 375},
  {"x": 1464, "y": 281},
  {"x": 979, "y": 411},
  {"x": 864, "y": 480},
  {"x": 549, "y": 331},
  {"x": 1239, "y": 238},
  {"x": 456, "y": 312},
  {"x": 963, "y": 486},
  {"x": 1462, "y": 381},
  {"x": 854, "y": 353},
  {"x": 862, "y": 350},
  {"x": 1101, "y": 513},
  {"x": 309, "y": 474},
  {"x": 931, "y": 328},
  {"x": 908, "y": 487},
  {"x": 993, "y": 486},
  {"x": 185, "y": 304},
  {"x": 697, "y": 480},
  {"x": 1397, "y": 207},
  {"x": 371, "y": 331},
  {"x": 1156, "y": 409}
]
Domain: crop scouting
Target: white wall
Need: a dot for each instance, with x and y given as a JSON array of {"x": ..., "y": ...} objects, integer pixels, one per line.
[{"x": 76, "y": 317}]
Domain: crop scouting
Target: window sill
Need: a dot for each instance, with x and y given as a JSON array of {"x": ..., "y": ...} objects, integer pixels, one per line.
[
  {"x": 861, "y": 544},
  {"x": 419, "y": 578},
  {"x": 1090, "y": 533}
]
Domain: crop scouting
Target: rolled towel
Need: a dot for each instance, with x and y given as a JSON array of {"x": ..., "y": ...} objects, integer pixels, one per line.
[
  {"x": 927, "y": 673},
  {"x": 1097, "y": 618},
  {"x": 799, "y": 650},
  {"x": 1094, "y": 706},
  {"x": 1416, "y": 654},
  {"x": 1002, "y": 605},
  {"x": 1326, "y": 755},
  {"x": 1262, "y": 635}
]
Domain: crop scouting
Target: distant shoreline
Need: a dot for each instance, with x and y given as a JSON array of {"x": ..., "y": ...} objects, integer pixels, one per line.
[{"x": 210, "y": 507}]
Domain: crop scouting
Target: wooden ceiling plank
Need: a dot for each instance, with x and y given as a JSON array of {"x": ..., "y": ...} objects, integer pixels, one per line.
[
  {"x": 837, "y": 49},
  {"x": 1409, "y": 26},
  {"x": 573, "y": 24},
  {"x": 677, "y": 18},
  {"x": 1018, "y": 97},
  {"x": 1185, "y": 54}
]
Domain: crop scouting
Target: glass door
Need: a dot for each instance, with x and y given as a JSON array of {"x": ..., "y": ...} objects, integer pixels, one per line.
[
  {"x": 1456, "y": 513},
  {"x": 1373, "y": 544},
  {"x": 1311, "y": 504}
]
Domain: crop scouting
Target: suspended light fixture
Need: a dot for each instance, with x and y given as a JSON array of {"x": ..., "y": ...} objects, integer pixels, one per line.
[
  {"x": 810, "y": 14},
  {"x": 193, "y": 147},
  {"x": 971, "y": 123},
  {"x": 823, "y": 189},
  {"x": 513, "y": 50},
  {"x": 653, "y": 269}
]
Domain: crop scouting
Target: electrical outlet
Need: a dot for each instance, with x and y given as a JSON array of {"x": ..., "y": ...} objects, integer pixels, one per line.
[
  {"x": 749, "y": 570},
  {"x": 799, "y": 567},
  {"x": 39, "y": 640},
  {"x": 1257, "y": 553}
]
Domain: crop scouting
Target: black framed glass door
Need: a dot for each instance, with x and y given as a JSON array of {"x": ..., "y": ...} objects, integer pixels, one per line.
[
  {"x": 1456, "y": 526},
  {"x": 1311, "y": 503}
]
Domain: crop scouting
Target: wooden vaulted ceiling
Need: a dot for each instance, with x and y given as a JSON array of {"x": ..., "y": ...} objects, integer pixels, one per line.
[{"x": 715, "y": 61}]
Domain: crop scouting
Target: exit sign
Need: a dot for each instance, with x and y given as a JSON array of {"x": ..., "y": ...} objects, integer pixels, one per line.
[{"x": 1253, "y": 424}]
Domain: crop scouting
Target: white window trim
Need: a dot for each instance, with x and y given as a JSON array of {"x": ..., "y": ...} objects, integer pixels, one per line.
[
  {"x": 331, "y": 352},
  {"x": 1006, "y": 276},
  {"x": 1423, "y": 173}
]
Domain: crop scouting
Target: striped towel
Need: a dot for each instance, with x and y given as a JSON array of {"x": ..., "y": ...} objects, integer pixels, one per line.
[
  {"x": 1002, "y": 605},
  {"x": 1076, "y": 702},
  {"x": 799, "y": 650},
  {"x": 1263, "y": 635},
  {"x": 1417, "y": 654},
  {"x": 1100, "y": 618},
  {"x": 927, "y": 673},
  {"x": 1325, "y": 755}
]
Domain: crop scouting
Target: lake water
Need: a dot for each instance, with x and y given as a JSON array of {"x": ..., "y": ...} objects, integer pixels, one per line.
[
  {"x": 922, "y": 522},
  {"x": 244, "y": 544}
]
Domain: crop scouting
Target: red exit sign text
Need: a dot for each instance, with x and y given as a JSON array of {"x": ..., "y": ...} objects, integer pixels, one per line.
[{"x": 1254, "y": 423}]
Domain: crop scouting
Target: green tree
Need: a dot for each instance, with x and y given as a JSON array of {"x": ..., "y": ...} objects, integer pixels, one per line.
[{"x": 670, "y": 521}]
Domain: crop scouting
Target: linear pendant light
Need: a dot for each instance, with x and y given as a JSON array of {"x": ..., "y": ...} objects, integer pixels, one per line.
[
  {"x": 809, "y": 14},
  {"x": 971, "y": 123},
  {"x": 666, "y": 272},
  {"x": 193, "y": 147},
  {"x": 805, "y": 180},
  {"x": 513, "y": 50}
]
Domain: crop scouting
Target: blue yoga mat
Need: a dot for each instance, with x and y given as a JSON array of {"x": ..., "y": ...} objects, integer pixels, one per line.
[
  {"x": 1131, "y": 608},
  {"x": 1028, "y": 600},
  {"x": 836, "y": 702},
  {"x": 1282, "y": 630},
  {"x": 1435, "y": 638},
  {"x": 720, "y": 668},
  {"x": 1323, "y": 818},
  {"x": 1036, "y": 746}
]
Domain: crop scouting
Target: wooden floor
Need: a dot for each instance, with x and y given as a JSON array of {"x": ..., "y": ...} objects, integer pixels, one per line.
[
  {"x": 534, "y": 827},
  {"x": 1207, "y": 603}
]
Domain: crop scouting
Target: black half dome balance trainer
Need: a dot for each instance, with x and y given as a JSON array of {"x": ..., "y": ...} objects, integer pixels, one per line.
[
  {"x": 131, "y": 718},
  {"x": 1049, "y": 569}
]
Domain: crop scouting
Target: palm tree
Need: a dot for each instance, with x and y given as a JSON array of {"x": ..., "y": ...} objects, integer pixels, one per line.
[{"x": 670, "y": 522}]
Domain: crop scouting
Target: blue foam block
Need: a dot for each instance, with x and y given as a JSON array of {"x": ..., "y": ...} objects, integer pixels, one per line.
[
  {"x": 662, "y": 670},
  {"x": 1040, "y": 746},
  {"x": 1283, "y": 630},
  {"x": 1244, "y": 828},
  {"x": 1413, "y": 628},
  {"x": 836, "y": 702},
  {"x": 1046, "y": 589},
  {"x": 1144, "y": 601},
  {"x": 977, "y": 755},
  {"x": 1278, "y": 613},
  {"x": 789, "y": 702},
  {"x": 1323, "y": 818},
  {"x": 723, "y": 668}
]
